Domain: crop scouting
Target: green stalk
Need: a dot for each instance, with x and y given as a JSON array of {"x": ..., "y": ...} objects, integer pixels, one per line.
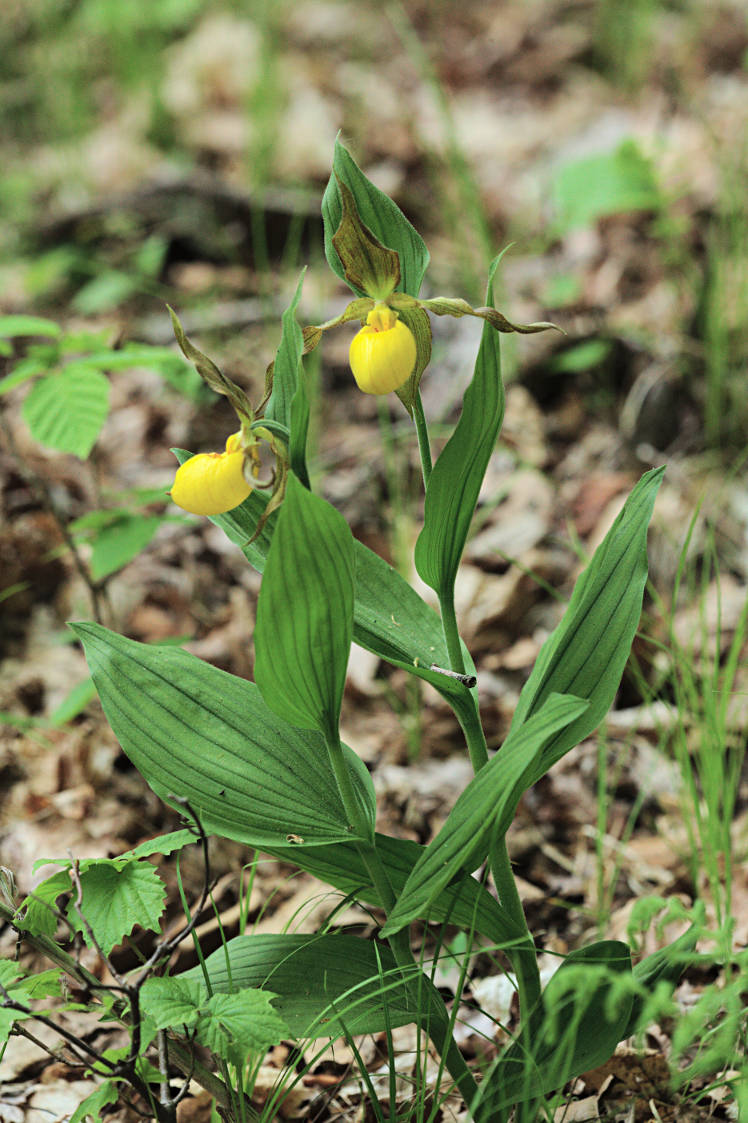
[
  {"x": 438, "y": 1024},
  {"x": 451, "y": 632},
  {"x": 424, "y": 445},
  {"x": 523, "y": 956}
]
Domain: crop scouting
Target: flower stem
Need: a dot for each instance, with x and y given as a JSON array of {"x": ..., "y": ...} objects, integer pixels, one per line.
[
  {"x": 424, "y": 445},
  {"x": 523, "y": 955}
]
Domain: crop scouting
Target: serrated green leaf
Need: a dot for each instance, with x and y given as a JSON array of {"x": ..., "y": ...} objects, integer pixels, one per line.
[
  {"x": 407, "y": 632},
  {"x": 197, "y": 732},
  {"x": 585, "y": 1011},
  {"x": 324, "y": 985},
  {"x": 46, "y": 984},
  {"x": 288, "y": 403},
  {"x": 234, "y": 1025},
  {"x": 586, "y": 654},
  {"x": 172, "y": 1002},
  {"x": 11, "y": 327},
  {"x": 378, "y": 212},
  {"x": 121, "y": 541},
  {"x": 484, "y": 809},
  {"x": 106, "y": 1093},
  {"x": 305, "y": 613},
  {"x": 39, "y": 918},
  {"x": 164, "y": 844},
  {"x": 456, "y": 479},
  {"x": 114, "y": 900},
  {"x": 66, "y": 411}
]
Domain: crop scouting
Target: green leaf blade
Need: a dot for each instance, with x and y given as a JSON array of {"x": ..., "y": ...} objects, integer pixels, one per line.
[
  {"x": 456, "y": 479},
  {"x": 324, "y": 986},
  {"x": 587, "y": 652},
  {"x": 201, "y": 734},
  {"x": 484, "y": 809},
  {"x": 304, "y": 623}
]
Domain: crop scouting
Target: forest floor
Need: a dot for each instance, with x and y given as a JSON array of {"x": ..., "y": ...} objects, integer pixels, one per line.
[{"x": 608, "y": 143}]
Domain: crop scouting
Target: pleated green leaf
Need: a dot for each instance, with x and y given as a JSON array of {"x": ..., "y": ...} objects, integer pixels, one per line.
[
  {"x": 201, "y": 734},
  {"x": 484, "y": 809},
  {"x": 304, "y": 622},
  {"x": 587, "y": 652},
  {"x": 288, "y": 403},
  {"x": 464, "y": 902},
  {"x": 456, "y": 479},
  {"x": 586, "y": 1009},
  {"x": 324, "y": 986},
  {"x": 383, "y": 218},
  {"x": 66, "y": 411},
  {"x": 389, "y": 617}
]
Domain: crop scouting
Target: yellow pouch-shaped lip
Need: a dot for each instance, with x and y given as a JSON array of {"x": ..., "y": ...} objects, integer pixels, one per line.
[
  {"x": 212, "y": 483},
  {"x": 383, "y": 353}
]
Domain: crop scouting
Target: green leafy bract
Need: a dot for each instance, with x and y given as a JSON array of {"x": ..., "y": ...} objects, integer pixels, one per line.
[
  {"x": 305, "y": 613},
  {"x": 455, "y": 482},
  {"x": 484, "y": 809},
  {"x": 197, "y": 733},
  {"x": 383, "y": 218},
  {"x": 288, "y": 403}
]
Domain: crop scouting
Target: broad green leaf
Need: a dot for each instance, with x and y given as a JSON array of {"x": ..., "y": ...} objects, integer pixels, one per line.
[
  {"x": 407, "y": 633},
  {"x": 115, "y": 899},
  {"x": 121, "y": 541},
  {"x": 11, "y": 327},
  {"x": 465, "y": 902},
  {"x": 606, "y": 184},
  {"x": 452, "y": 491},
  {"x": 305, "y": 613},
  {"x": 586, "y": 654},
  {"x": 378, "y": 212},
  {"x": 324, "y": 986},
  {"x": 288, "y": 402},
  {"x": 585, "y": 1012},
  {"x": 66, "y": 411},
  {"x": 198, "y": 733},
  {"x": 484, "y": 810},
  {"x": 170, "y": 1002},
  {"x": 234, "y": 1025}
]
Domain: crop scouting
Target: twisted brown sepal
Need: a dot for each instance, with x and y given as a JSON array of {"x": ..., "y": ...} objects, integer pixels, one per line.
[
  {"x": 210, "y": 373},
  {"x": 418, "y": 322},
  {"x": 277, "y": 482},
  {"x": 369, "y": 266},
  {"x": 357, "y": 310},
  {"x": 450, "y": 306}
]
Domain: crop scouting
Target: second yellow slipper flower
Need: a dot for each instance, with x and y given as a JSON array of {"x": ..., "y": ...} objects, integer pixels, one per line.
[
  {"x": 212, "y": 483},
  {"x": 383, "y": 353}
]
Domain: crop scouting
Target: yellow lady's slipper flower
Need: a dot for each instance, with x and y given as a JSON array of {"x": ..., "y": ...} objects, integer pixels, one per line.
[
  {"x": 212, "y": 483},
  {"x": 383, "y": 353}
]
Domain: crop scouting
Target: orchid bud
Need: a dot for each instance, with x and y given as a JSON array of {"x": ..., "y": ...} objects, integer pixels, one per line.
[
  {"x": 383, "y": 352},
  {"x": 212, "y": 483}
]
